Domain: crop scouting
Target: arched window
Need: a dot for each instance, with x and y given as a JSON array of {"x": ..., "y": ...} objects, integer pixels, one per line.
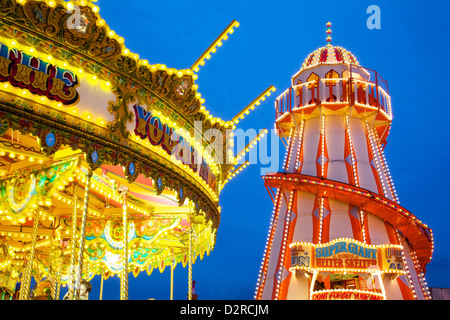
[
  {"x": 331, "y": 75},
  {"x": 312, "y": 77},
  {"x": 312, "y": 87}
]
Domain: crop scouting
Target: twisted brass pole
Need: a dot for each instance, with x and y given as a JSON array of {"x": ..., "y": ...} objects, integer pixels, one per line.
[
  {"x": 58, "y": 279},
  {"x": 73, "y": 256},
  {"x": 190, "y": 260},
  {"x": 82, "y": 235},
  {"x": 172, "y": 267},
  {"x": 26, "y": 278},
  {"x": 124, "y": 277},
  {"x": 101, "y": 289}
]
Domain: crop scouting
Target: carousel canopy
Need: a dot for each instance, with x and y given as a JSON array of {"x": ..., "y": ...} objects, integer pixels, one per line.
[{"x": 102, "y": 150}]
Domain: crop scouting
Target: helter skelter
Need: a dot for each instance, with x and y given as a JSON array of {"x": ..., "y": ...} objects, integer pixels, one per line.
[
  {"x": 337, "y": 230},
  {"x": 100, "y": 170}
]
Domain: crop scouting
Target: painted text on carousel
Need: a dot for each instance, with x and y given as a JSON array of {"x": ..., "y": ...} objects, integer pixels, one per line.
[
  {"x": 39, "y": 77},
  {"x": 151, "y": 127}
]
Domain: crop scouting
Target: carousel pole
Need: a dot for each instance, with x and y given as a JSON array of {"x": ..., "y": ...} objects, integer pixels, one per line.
[
  {"x": 74, "y": 240},
  {"x": 171, "y": 281},
  {"x": 190, "y": 260},
  {"x": 172, "y": 268},
  {"x": 56, "y": 270},
  {"x": 101, "y": 288},
  {"x": 124, "y": 278},
  {"x": 83, "y": 230},
  {"x": 26, "y": 281},
  {"x": 58, "y": 280}
]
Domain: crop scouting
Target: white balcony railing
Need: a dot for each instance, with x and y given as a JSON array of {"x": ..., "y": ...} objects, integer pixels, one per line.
[{"x": 334, "y": 91}]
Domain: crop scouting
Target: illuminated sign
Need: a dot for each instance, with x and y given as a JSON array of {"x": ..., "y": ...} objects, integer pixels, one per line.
[
  {"x": 151, "y": 127},
  {"x": 346, "y": 254},
  {"x": 346, "y": 295},
  {"x": 39, "y": 77}
]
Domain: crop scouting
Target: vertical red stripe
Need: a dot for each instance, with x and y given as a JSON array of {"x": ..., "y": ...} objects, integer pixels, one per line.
[
  {"x": 277, "y": 110},
  {"x": 404, "y": 288},
  {"x": 289, "y": 99},
  {"x": 365, "y": 224},
  {"x": 355, "y": 221},
  {"x": 374, "y": 170},
  {"x": 316, "y": 221},
  {"x": 327, "y": 159},
  {"x": 319, "y": 155},
  {"x": 322, "y": 157},
  {"x": 289, "y": 155},
  {"x": 402, "y": 282},
  {"x": 280, "y": 254},
  {"x": 284, "y": 288},
  {"x": 300, "y": 157},
  {"x": 326, "y": 218},
  {"x": 269, "y": 247},
  {"x": 349, "y": 163},
  {"x": 391, "y": 233}
]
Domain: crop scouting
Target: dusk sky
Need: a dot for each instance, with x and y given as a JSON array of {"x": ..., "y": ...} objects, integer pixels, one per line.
[{"x": 410, "y": 51}]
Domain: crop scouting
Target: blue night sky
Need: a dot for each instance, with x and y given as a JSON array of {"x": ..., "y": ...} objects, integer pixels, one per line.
[{"x": 410, "y": 51}]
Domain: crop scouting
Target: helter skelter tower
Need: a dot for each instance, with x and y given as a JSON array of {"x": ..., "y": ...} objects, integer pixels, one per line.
[{"x": 338, "y": 230}]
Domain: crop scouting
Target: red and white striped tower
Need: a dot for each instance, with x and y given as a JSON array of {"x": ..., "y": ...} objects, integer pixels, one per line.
[{"x": 338, "y": 230}]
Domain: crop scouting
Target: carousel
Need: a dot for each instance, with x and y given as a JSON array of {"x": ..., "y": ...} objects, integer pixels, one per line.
[{"x": 109, "y": 165}]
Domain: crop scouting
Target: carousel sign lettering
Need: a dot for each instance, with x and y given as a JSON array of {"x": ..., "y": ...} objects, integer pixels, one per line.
[
  {"x": 40, "y": 77},
  {"x": 347, "y": 254},
  {"x": 150, "y": 127}
]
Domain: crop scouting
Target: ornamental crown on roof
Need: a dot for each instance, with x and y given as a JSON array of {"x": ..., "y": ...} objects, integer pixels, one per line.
[{"x": 329, "y": 54}]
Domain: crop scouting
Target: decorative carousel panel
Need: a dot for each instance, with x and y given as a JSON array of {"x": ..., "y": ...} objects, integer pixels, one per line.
[{"x": 26, "y": 190}]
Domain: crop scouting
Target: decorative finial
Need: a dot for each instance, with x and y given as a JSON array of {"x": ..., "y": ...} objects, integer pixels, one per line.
[{"x": 329, "y": 34}]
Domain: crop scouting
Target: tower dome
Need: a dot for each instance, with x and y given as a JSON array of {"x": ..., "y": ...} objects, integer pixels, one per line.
[{"x": 329, "y": 55}]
